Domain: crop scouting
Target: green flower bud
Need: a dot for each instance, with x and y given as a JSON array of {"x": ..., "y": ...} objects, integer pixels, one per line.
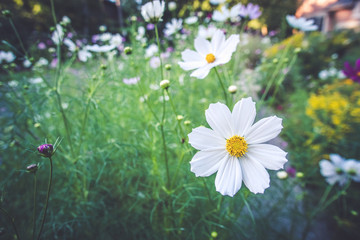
[
  {"x": 6, "y": 13},
  {"x": 168, "y": 67},
  {"x": 128, "y": 50},
  {"x": 232, "y": 89},
  {"x": 165, "y": 84},
  {"x": 32, "y": 168}
]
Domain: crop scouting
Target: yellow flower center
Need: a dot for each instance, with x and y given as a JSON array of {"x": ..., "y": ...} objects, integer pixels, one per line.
[
  {"x": 210, "y": 58},
  {"x": 358, "y": 73},
  {"x": 236, "y": 146}
]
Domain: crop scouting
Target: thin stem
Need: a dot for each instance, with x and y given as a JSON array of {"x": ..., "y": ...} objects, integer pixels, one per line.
[
  {"x": 34, "y": 208},
  {"x": 174, "y": 110},
  {"x": 222, "y": 86},
  {"x": 159, "y": 51},
  {"x": 164, "y": 141},
  {"x": 47, "y": 198},
  {"x": 12, "y": 221},
  {"x": 18, "y": 37}
]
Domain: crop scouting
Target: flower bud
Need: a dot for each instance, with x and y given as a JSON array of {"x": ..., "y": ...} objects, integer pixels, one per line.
[
  {"x": 179, "y": 117},
  {"x": 275, "y": 60},
  {"x": 299, "y": 174},
  {"x": 232, "y": 89},
  {"x": 133, "y": 18},
  {"x": 32, "y": 168},
  {"x": 6, "y": 13},
  {"x": 103, "y": 67},
  {"x": 165, "y": 84},
  {"x": 128, "y": 50},
  {"x": 187, "y": 122},
  {"x": 168, "y": 67},
  {"x": 282, "y": 175},
  {"x": 214, "y": 234},
  {"x": 46, "y": 150},
  {"x": 297, "y": 50}
]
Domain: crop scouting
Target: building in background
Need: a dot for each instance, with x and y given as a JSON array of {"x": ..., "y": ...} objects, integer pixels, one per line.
[{"x": 331, "y": 15}]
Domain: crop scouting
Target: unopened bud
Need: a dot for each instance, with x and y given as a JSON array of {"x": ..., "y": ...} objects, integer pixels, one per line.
[
  {"x": 179, "y": 117},
  {"x": 232, "y": 89},
  {"x": 297, "y": 50},
  {"x": 275, "y": 60},
  {"x": 299, "y": 174},
  {"x": 46, "y": 150},
  {"x": 168, "y": 67},
  {"x": 128, "y": 50},
  {"x": 133, "y": 18},
  {"x": 282, "y": 175},
  {"x": 103, "y": 67},
  {"x": 32, "y": 168},
  {"x": 187, "y": 122},
  {"x": 7, "y": 13},
  {"x": 214, "y": 234},
  {"x": 165, "y": 84}
]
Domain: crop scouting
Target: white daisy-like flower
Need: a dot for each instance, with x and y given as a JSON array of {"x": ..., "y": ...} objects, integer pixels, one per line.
[
  {"x": 225, "y": 14},
  {"x": 207, "y": 32},
  {"x": 209, "y": 54},
  {"x": 301, "y": 23},
  {"x": 58, "y": 34},
  {"x": 153, "y": 11},
  {"x": 172, "y": 27},
  {"x": 235, "y": 148},
  {"x": 333, "y": 170},
  {"x": 352, "y": 169}
]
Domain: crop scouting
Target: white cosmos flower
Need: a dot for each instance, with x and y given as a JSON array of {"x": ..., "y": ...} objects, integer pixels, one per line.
[
  {"x": 301, "y": 23},
  {"x": 208, "y": 32},
  {"x": 333, "y": 170},
  {"x": 352, "y": 169},
  {"x": 235, "y": 148},
  {"x": 217, "y": 2},
  {"x": 84, "y": 55},
  {"x": 153, "y": 11},
  {"x": 225, "y": 14},
  {"x": 172, "y": 27},
  {"x": 209, "y": 54},
  {"x": 151, "y": 50},
  {"x": 70, "y": 44},
  {"x": 97, "y": 48},
  {"x": 58, "y": 34},
  {"x": 7, "y": 57}
]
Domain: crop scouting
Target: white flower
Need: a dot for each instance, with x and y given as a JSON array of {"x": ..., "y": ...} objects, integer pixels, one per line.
[
  {"x": 153, "y": 11},
  {"x": 217, "y": 2},
  {"x": 333, "y": 170},
  {"x": 301, "y": 23},
  {"x": 172, "y": 27},
  {"x": 235, "y": 148},
  {"x": 65, "y": 20},
  {"x": 35, "y": 80},
  {"x": 105, "y": 37},
  {"x": 352, "y": 169},
  {"x": 154, "y": 62},
  {"x": 208, "y": 32},
  {"x": 140, "y": 36},
  {"x": 116, "y": 40},
  {"x": 208, "y": 54},
  {"x": 58, "y": 35},
  {"x": 172, "y": 6},
  {"x": 7, "y": 56},
  {"x": 225, "y": 14},
  {"x": 42, "y": 62},
  {"x": 151, "y": 50},
  {"x": 27, "y": 63},
  {"x": 97, "y": 48},
  {"x": 102, "y": 28},
  {"x": 70, "y": 44},
  {"x": 84, "y": 55},
  {"x": 191, "y": 20}
]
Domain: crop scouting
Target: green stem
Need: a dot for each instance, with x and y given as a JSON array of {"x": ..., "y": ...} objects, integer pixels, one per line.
[
  {"x": 18, "y": 37},
  {"x": 12, "y": 221},
  {"x": 175, "y": 113},
  {"x": 222, "y": 86},
  {"x": 34, "y": 208},
  {"x": 47, "y": 199},
  {"x": 159, "y": 51},
  {"x": 164, "y": 141}
]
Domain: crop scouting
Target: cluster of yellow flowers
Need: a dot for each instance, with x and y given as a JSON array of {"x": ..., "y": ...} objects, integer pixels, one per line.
[{"x": 335, "y": 109}]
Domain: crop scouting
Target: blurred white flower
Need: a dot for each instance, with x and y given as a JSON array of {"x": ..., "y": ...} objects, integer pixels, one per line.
[
  {"x": 84, "y": 55},
  {"x": 131, "y": 81},
  {"x": 352, "y": 169},
  {"x": 206, "y": 32},
  {"x": 282, "y": 175},
  {"x": 301, "y": 23},
  {"x": 70, "y": 44},
  {"x": 172, "y": 27},
  {"x": 209, "y": 54},
  {"x": 105, "y": 37},
  {"x": 116, "y": 40},
  {"x": 35, "y": 80},
  {"x": 172, "y": 6},
  {"x": 65, "y": 20},
  {"x": 7, "y": 56},
  {"x": 97, "y": 48},
  {"x": 42, "y": 62},
  {"x": 225, "y": 14},
  {"x": 58, "y": 34},
  {"x": 251, "y": 11},
  {"x": 333, "y": 170},
  {"x": 235, "y": 148},
  {"x": 191, "y": 20},
  {"x": 154, "y": 62},
  {"x": 153, "y": 11},
  {"x": 217, "y": 2},
  {"x": 13, "y": 83},
  {"x": 140, "y": 36},
  {"x": 151, "y": 50},
  {"x": 26, "y": 63}
]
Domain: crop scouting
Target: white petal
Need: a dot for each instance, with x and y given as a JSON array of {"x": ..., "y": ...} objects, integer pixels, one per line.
[
  {"x": 270, "y": 156},
  {"x": 327, "y": 168},
  {"x": 217, "y": 42},
  {"x": 228, "y": 48},
  {"x": 337, "y": 159},
  {"x": 191, "y": 65},
  {"x": 202, "y": 46},
  {"x": 263, "y": 130},
  {"x": 201, "y": 72},
  {"x": 204, "y": 138},
  {"x": 243, "y": 115},
  {"x": 207, "y": 162},
  {"x": 192, "y": 56},
  {"x": 229, "y": 177},
  {"x": 218, "y": 117},
  {"x": 255, "y": 177}
]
